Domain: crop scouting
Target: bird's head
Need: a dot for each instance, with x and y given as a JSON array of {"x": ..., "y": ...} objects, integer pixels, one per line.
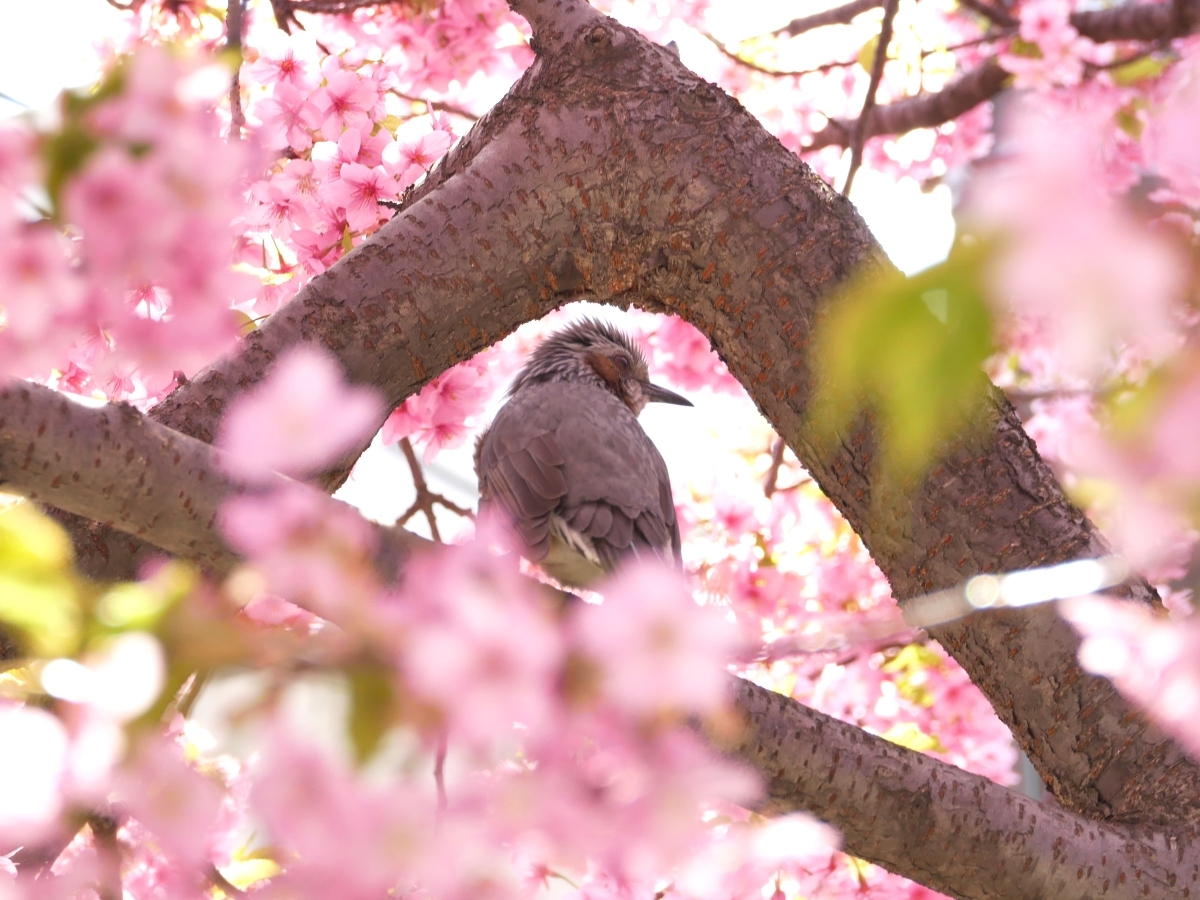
[{"x": 594, "y": 351}]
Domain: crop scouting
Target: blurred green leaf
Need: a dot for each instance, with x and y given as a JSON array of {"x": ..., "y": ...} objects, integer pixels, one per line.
[
  {"x": 67, "y": 150},
  {"x": 39, "y": 595},
  {"x": 910, "y": 735},
  {"x": 911, "y": 659},
  {"x": 1129, "y": 120},
  {"x": 1139, "y": 70},
  {"x": 371, "y": 708},
  {"x": 911, "y": 350},
  {"x": 138, "y": 605},
  {"x": 866, "y": 53}
]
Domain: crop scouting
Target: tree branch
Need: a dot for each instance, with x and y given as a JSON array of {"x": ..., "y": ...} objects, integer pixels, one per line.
[
  {"x": 117, "y": 467},
  {"x": 877, "y": 64},
  {"x": 923, "y": 111},
  {"x": 611, "y": 169},
  {"x": 807, "y": 759},
  {"x": 993, "y": 14},
  {"x": 233, "y": 42},
  {"x": 945, "y": 828},
  {"x": 426, "y": 500},
  {"x": 839, "y": 15},
  {"x": 1130, "y": 22}
]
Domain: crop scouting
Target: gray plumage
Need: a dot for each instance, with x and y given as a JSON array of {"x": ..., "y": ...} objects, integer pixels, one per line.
[{"x": 570, "y": 465}]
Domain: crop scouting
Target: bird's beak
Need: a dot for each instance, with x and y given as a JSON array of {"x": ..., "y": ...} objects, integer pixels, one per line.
[{"x": 656, "y": 394}]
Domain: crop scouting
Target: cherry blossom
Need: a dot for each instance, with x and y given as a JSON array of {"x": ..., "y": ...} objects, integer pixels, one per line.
[{"x": 300, "y": 418}]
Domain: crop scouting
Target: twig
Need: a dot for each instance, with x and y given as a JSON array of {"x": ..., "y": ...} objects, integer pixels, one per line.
[
  {"x": 773, "y": 471},
  {"x": 425, "y": 499},
  {"x": 108, "y": 852},
  {"x": 842, "y": 64},
  {"x": 923, "y": 111},
  {"x": 1130, "y": 22},
  {"x": 839, "y": 15},
  {"x": 860, "y": 127},
  {"x": 432, "y": 106},
  {"x": 782, "y": 73},
  {"x": 233, "y": 41},
  {"x": 997, "y": 16},
  {"x": 439, "y": 772}
]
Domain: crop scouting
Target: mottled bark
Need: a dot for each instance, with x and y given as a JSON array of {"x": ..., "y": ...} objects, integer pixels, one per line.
[
  {"x": 613, "y": 171},
  {"x": 122, "y": 470},
  {"x": 948, "y": 829},
  {"x": 146, "y": 479}
]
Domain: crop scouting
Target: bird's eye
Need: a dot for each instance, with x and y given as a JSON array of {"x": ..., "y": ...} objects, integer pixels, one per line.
[{"x": 622, "y": 363}]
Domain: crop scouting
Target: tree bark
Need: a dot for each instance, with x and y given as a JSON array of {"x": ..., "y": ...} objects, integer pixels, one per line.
[
  {"x": 612, "y": 171},
  {"x": 122, "y": 470},
  {"x": 952, "y": 831},
  {"x": 149, "y": 480}
]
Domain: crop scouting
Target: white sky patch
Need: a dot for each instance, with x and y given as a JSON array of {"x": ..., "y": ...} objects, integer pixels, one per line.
[{"x": 48, "y": 45}]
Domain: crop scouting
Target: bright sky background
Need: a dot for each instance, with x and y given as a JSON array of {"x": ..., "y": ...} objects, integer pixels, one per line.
[{"x": 46, "y": 45}]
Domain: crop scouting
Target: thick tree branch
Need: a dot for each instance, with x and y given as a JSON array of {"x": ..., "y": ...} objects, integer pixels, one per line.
[
  {"x": 926, "y": 110},
  {"x": 947, "y": 829},
  {"x": 891, "y": 804},
  {"x": 1129, "y": 22},
  {"x": 119, "y": 468},
  {"x": 993, "y": 14},
  {"x": 611, "y": 169}
]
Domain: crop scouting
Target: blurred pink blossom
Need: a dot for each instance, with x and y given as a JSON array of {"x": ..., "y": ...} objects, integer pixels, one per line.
[
  {"x": 1152, "y": 661},
  {"x": 301, "y": 417},
  {"x": 1074, "y": 260},
  {"x": 33, "y": 758},
  {"x": 177, "y": 803},
  {"x": 649, "y": 630},
  {"x": 479, "y": 644},
  {"x": 283, "y": 58}
]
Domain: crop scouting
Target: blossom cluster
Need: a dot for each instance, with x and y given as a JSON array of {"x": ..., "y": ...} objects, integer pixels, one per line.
[{"x": 118, "y": 231}]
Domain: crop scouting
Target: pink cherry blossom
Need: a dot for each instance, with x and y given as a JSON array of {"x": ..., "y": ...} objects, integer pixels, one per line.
[
  {"x": 479, "y": 645},
  {"x": 313, "y": 551},
  {"x": 340, "y": 836},
  {"x": 177, "y": 803},
  {"x": 1077, "y": 261},
  {"x": 300, "y": 418},
  {"x": 358, "y": 191},
  {"x": 649, "y": 627},
  {"x": 343, "y": 102},
  {"x": 408, "y": 161},
  {"x": 285, "y": 59},
  {"x": 1154, "y": 662},
  {"x": 288, "y": 117}
]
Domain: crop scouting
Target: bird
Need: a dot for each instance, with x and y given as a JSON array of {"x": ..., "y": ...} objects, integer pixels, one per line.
[{"x": 568, "y": 464}]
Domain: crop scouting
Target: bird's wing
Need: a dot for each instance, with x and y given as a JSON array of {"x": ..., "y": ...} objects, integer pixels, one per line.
[
  {"x": 576, "y": 452},
  {"x": 524, "y": 473}
]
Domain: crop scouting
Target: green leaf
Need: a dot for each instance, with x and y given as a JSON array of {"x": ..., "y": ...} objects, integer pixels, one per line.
[
  {"x": 910, "y": 735},
  {"x": 910, "y": 349},
  {"x": 371, "y": 708},
  {"x": 1139, "y": 70},
  {"x": 1129, "y": 120},
  {"x": 1025, "y": 49},
  {"x": 39, "y": 595},
  {"x": 67, "y": 150},
  {"x": 866, "y": 53},
  {"x": 138, "y": 605}
]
